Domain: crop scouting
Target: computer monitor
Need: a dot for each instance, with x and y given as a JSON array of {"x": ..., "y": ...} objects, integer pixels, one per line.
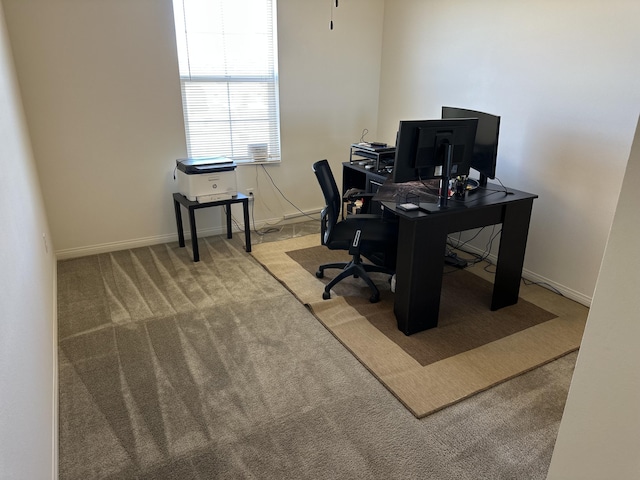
[
  {"x": 485, "y": 152},
  {"x": 434, "y": 149}
]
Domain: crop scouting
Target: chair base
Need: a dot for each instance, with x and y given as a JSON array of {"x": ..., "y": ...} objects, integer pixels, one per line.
[{"x": 355, "y": 268}]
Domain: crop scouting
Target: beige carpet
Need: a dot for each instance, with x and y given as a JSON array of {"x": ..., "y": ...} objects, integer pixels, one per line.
[{"x": 472, "y": 349}]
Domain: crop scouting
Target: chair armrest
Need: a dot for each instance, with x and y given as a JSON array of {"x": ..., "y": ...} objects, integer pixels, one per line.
[
  {"x": 355, "y": 194},
  {"x": 324, "y": 221}
]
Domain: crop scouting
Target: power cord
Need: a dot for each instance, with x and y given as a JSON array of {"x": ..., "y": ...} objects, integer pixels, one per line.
[
  {"x": 484, "y": 257},
  {"x": 477, "y": 258},
  {"x": 255, "y": 230},
  {"x": 542, "y": 284},
  {"x": 284, "y": 196},
  {"x": 271, "y": 228},
  {"x": 504, "y": 190},
  {"x": 175, "y": 169}
]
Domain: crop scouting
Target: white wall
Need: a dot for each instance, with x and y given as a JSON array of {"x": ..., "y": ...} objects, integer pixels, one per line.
[
  {"x": 102, "y": 99},
  {"x": 563, "y": 75},
  {"x": 599, "y": 434},
  {"x": 27, "y": 298}
]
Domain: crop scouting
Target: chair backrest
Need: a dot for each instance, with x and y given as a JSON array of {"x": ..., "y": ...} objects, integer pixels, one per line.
[{"x": 332, "y": 197}]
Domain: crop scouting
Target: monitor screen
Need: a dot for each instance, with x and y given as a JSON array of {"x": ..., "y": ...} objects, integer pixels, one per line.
[
  {"x": 422, "y": 146},
  {"x": 485, "y": 152}
]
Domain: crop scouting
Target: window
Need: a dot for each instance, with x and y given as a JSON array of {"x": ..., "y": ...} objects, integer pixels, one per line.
[{"x": 228, "y": 73}]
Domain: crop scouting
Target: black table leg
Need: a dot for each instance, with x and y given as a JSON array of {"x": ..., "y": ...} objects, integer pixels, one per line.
[
  {"x": 247, "y": 225},
  {"x": 513, "y": 242},
  {"x": 227, "y": 209},
  {"x": 177, "y": 207},
  {"x": 194, "y": 236},
  {"x": 419, "y": 269}
]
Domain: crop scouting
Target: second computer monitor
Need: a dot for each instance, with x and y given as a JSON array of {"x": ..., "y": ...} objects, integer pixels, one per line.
[{"x": 485, "y": 152}]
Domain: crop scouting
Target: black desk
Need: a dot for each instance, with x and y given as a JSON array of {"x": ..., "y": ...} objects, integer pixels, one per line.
[
  {"x": 191, "y": 206},
  {"x": 422, "y": 242}
]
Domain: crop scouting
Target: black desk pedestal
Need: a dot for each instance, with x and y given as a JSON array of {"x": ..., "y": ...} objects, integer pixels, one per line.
[
  {"x": 191, "y": 206},
  {"x": 422, "y": 241}
]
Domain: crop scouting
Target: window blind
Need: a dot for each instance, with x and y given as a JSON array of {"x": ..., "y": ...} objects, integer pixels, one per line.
[{"x": 228, "y": 73}]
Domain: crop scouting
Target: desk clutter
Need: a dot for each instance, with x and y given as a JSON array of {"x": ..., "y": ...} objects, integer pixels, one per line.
[{"x": 375, "y": 156}]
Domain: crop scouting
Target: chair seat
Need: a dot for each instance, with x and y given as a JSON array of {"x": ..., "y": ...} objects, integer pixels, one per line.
[{"x": 375, "y": 234}]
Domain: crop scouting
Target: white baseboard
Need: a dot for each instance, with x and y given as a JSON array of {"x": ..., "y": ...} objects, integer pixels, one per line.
[
  {"x": 315, "y": 211},
  {"x": 565, "y": 291},
  {"x": 237, "y": 227},
  {"x": 122, "y": 245},
  {"x": 56, "y": 385},
  {"x": 539, "y": 279}
]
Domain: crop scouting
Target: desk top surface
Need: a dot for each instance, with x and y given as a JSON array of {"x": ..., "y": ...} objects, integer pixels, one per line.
[{"x": 491, "y": 195}]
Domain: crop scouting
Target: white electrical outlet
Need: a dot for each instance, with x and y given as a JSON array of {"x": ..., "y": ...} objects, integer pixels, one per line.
[{"x": 250, "y": 193}]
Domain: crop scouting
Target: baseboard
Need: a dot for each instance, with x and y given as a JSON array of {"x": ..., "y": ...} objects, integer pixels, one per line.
[
  {"x": 122, "y": 245},
  {"x": 315, "y": 211},
  {"x": 237, "y": 227},
  {"x": 539, "y": 279},
  {"x": 565, "y": 291},
  {"x": 56, "y": 388}
]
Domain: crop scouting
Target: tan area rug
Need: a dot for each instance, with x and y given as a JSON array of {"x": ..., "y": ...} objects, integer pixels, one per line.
[{"x": 471, "y": 350}]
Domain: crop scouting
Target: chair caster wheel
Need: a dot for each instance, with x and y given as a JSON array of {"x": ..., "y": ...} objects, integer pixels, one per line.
[
  {"x": 326, "y": 295},
  {"x": 375, "y": 298},
  {"x": 320, "y": 274}
]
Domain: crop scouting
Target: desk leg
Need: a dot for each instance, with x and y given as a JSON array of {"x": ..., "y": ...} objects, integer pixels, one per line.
[
  {"x": 419, "y": 270},
  {"x": 513, "y": 242},
  {"x": 194, "y": 236},
  {"x": 247, "y": 225},
  {"x": 176, "y": 206},
  {"x": 227, "y": 209}
]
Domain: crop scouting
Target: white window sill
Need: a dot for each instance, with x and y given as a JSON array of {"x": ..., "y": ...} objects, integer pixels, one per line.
[{"x": 241, "y": 163}]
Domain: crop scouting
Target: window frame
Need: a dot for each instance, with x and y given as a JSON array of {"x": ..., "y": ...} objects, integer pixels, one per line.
[{"x": 238, "y": 150}]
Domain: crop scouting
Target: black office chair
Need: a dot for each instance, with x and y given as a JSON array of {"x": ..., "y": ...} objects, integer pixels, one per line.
[{"x": 363, "y": 235}]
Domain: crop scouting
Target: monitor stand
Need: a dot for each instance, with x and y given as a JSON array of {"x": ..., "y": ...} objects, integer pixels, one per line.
[
  {"x": 432, "y": 207},
  {"x": 443, "y": 198},
  {"x": 482, "y": 182}
]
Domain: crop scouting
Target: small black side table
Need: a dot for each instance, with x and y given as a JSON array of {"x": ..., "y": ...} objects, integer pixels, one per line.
[{"x": 191, "y": 206}]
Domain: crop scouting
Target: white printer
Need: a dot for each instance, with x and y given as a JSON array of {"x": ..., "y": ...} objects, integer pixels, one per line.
[{"x": 207, "y": 179}]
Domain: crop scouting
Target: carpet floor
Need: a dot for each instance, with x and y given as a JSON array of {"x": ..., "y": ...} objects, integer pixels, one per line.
[{"x": 170, "y": 369}]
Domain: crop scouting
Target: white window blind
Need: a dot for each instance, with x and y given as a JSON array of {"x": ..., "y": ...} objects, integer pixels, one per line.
[{"x": 228, "y": 72}]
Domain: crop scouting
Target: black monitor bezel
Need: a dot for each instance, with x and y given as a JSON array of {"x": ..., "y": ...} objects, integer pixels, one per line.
[
  {"x": 407, "y": 145},
  {"x": 485, "y": 155}
]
